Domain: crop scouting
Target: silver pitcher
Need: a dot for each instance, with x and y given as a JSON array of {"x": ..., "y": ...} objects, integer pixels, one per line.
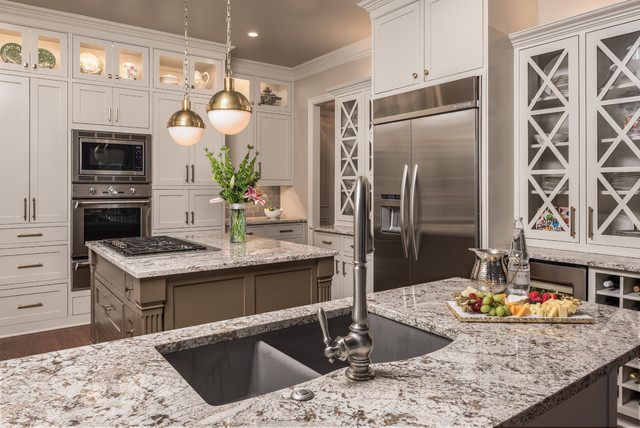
[{"x": 490, "y": 270}]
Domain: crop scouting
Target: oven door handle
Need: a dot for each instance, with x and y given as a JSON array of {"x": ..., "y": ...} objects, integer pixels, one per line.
[{"x": 109, "y": 202}]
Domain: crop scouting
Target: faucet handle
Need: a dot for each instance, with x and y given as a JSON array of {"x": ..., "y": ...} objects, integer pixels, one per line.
[{"x": 324, "y": 326}]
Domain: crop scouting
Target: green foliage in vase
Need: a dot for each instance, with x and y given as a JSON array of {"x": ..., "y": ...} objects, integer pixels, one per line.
[{"x": 234, "y": 184}]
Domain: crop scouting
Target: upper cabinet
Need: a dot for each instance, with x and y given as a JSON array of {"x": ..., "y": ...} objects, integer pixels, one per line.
[
  {"x": 106, "y": 61},
  {"x": 272, "y": 95},
  {"x": 33, "y": 50},
  {"x": 204, "y": 74},
  {"x": 426, "y": 40},
  {"x": 578, "y": 132}
]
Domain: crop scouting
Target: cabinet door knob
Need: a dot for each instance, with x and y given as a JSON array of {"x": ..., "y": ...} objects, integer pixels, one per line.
[
  {"x": 193, "y": 86},
  {"x": 117, "y": 76},
  {"x": 426, "y": 72},
  {"x": 109, "y": 76},
  {"x": 25, "y": 65},
  {"x": 130, "y": 332},
  {"x": 34, "y": 65},
  {"x": 415, "y": 75}
]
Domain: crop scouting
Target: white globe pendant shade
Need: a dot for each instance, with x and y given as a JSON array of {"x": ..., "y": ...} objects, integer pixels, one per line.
[
  {"x": 229, "y": 122},
  {"x": 186, "y": 135}
]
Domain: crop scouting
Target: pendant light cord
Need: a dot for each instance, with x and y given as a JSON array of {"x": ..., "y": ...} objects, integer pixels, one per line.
[
  {"x": 186, "y": 51},
  {"x": 228, "y": 70}
]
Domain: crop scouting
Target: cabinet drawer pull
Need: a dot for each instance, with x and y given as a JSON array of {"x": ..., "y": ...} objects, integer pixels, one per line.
[
  {"x": 192, "y": 217},
  {"x": 344, "y": 268},
  {"x": 186, "y": 217},
  {"x": 107, "y": 308},
  {"x": 129, "y": 332},
  {"x": 35, "y": 265},
  {"x": 249, "y": 233},
  {"x": 590, "y": 223},
  {"x": 25, "y": 209},
  {"x": 572, "y": 218},
  {"x": 286, "y": 230},
  {"x": 33, "y": 214},
  {"x": 29, "y": 235},
  {"x": 186, "y": 168},
  {"x": 127, "y": 288},
  {"x": 32, "y": 305},
  {"x": 327, "y": 242},
  {"x": 337, "y": 267},
  {"x": 193, "y": 173}
]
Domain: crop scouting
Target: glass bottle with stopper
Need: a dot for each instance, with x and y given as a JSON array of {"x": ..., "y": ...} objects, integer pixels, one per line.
[{"x": 519, "y": 272}]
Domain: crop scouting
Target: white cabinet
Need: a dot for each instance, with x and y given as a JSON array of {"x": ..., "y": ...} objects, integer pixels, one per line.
[
  {"x": 577, "y": 135},
  {"x": 105, "y": 61},
  {"x": 426, "y": 40},
  {"x": 33, "y": 50},
  {"x": 353, "y": 144},
  {"x": 33, "y": 113},
  {"x": 549, "y": 156},
  {"x": 275, "y": 144},
  {"x": 176, "y": 165},
  {"x": 342, "y": 281},
  {"x": 397, "y": 49},
  {"x": 204, "y": 74},
  {"x": 183, "y": 209},
  {"x": 103, "y": 105}
]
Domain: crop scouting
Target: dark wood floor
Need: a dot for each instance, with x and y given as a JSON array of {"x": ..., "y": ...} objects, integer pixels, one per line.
[{"x": 46, "y": 341}]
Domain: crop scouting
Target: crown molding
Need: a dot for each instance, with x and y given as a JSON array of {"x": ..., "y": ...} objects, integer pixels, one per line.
[
  {"x": 53, "y": 20},
  {"x": 350, "y": 87},
  {"x": 377, "y": 8},
  {"x": 343, "y": 55},
  {"x": 262, "y": 69},
  {"x": 568, "y": 26}
]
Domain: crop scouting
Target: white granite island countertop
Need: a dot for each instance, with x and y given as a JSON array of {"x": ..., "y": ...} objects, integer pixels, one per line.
[
  {"x": 256, "y": 251},
  {"x": 481, "y": 379}
]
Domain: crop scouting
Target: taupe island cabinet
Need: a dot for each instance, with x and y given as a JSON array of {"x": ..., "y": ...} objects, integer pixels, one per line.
[{"x": 138, "y": 295}]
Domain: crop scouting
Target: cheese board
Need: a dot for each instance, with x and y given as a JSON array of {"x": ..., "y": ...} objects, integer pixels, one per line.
[{"x": 476, "y": 317}]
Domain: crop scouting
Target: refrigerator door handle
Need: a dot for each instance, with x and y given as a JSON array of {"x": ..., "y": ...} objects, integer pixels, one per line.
[
  {"x": 403, "y": 234},
  {"x": 412, "y": 217}
]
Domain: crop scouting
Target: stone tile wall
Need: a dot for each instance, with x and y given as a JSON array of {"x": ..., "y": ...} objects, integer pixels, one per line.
[{"x": 272, "y": 194}]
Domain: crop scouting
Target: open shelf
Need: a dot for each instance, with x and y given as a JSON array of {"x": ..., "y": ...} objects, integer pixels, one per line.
[
  {"x": 632, "y": 296},
  {"x": 633, "y": 363},
  {"x": 613, "y": 292},
  {"x": 631, "y": 384},
  {"x": 630, "y": 408}
]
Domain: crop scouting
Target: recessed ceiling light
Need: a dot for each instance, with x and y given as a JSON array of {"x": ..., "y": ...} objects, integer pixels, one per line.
[{"x": 252, "y": 34}]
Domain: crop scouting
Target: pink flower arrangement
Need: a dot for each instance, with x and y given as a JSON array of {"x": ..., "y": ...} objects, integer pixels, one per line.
[{"x": 253, "y": 195}]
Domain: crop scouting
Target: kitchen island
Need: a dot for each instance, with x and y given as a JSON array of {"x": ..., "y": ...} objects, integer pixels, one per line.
[
  {"x": 150, "y": 293},
  {"x": 490, "y": 375}
]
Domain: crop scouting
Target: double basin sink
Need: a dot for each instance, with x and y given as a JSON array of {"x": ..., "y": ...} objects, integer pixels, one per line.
[{"x": 238, "y": 369}]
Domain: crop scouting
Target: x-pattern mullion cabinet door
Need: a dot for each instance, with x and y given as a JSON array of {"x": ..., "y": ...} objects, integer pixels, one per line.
[
  {"x": 613, "y": 135},
  {"x": 549, "y": 140},
  {"x": 350, "y": 152}
]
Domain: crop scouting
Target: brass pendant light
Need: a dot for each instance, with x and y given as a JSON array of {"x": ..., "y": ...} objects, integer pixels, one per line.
[
  {"x": 186, "y": 126},
  {"x": 229, "y": 111}
]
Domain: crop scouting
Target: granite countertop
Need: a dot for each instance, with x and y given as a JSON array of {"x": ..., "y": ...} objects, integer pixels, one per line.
[
  {"x": 267, "y": 220},
  {"x": 490, "y": 374},
  {"x": 256, "y": 251},
  {"x": 602, "y": 261},
  {"x": 336, "y": 230}
]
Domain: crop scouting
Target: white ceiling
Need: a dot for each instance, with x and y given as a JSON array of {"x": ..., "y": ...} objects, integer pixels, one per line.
[{"x": 291, "y": 32}]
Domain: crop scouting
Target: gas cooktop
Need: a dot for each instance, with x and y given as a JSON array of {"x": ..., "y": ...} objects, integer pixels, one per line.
[{"x": 153, "y": 245}]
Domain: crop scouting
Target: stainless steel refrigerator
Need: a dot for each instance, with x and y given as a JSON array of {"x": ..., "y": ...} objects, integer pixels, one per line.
[{"x": 426, "y": 184}]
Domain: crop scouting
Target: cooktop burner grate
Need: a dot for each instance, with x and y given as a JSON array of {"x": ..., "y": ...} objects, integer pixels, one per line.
[{"x": 152, "y": 245}]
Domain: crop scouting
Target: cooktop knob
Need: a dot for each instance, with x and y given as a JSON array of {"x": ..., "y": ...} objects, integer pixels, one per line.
[
  {"x": 132, "y": 190},
  {"x": 113, "y": 190},
  {"x": 92, "y": 190}
]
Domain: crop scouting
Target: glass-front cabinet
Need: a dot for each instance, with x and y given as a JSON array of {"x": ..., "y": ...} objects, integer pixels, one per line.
[
  {"x": 204, "y": 74},
  {"x": 613, "y": 135},
  {"x": 33, "y": 50},
  {"x": 549, "y": 149},
  {"x": 272, "y": 95},
  {"x": 95, "y": 59}
]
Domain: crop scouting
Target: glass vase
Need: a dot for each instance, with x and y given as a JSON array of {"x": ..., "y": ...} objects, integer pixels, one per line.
[{"x": 238, "y": 220}]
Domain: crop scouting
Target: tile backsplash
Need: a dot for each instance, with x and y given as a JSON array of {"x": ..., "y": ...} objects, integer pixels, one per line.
[{"x": 272, "y": 194}]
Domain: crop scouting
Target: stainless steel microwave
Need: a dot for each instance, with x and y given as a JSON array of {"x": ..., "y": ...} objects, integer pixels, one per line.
[{"x": 104, "y": 156}]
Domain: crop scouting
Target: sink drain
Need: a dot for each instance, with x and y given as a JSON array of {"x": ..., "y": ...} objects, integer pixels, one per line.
[{"x": 302, "y": 394}]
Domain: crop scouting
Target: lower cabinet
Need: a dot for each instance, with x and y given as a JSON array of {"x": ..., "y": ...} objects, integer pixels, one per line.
[
  {"x": 36, "y": 303},
  {"x": 342, "y": 282},
  {"x": 186, "y": 209},
  {"x": 124, "y": 306}
]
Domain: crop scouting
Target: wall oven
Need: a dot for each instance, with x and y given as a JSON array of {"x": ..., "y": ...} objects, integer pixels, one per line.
[{"x": 111, "y": 193}]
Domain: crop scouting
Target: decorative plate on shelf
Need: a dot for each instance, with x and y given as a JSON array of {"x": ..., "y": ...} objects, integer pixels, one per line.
[
  {"x": 46, "y": 59},
  {"x": 560, "y": 79},
  {"x": 90, "y": 64},
  {"x": 11, "y": 53}
]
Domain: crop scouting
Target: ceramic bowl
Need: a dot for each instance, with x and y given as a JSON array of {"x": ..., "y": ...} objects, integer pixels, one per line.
[{"x": 273, "y": 214}]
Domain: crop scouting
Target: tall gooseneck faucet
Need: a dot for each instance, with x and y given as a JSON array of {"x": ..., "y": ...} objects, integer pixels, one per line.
[{"x": 358, "y": 344}]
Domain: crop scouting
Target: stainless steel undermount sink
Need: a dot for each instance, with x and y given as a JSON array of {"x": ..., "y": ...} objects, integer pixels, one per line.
[{"x": 238, "y": 369}]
